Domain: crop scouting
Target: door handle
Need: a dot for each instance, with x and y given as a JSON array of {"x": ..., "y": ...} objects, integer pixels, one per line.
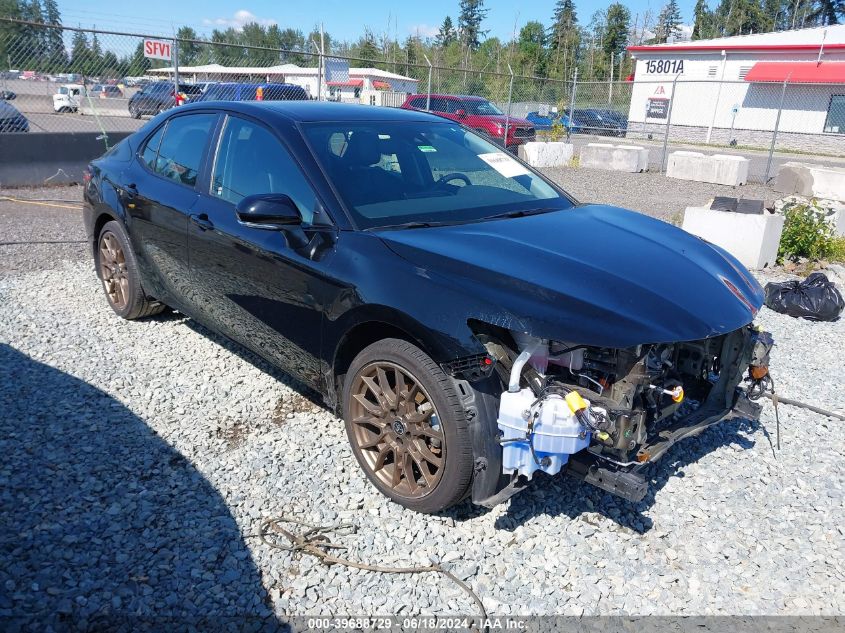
[{"x": 202, "y": 221}]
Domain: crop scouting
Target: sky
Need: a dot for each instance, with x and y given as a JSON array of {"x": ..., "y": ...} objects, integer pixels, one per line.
[{"x": 343, "y": 19}]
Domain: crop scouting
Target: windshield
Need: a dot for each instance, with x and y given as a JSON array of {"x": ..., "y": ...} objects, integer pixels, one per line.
[
  {"x": 477, "y": 106},
  {"x": 393, "y": 173}
]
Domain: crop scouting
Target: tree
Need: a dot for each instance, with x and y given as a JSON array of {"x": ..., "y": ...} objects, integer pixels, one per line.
[
  {"x": 737, "y": 17},
  {"x": 615, "y": 37},
  {"x": 80, "y": 54},
  {"x": 53, "y": 41},
  {"x": 826, "y": 12},
  {"x": 138, "y": 65},
  {"x": 668, "y": 22},
  {"x": 314, "y": 35},
  {"x": 472, "y": 14},
  {"x": 532, "y": 48},
  {"x": 367, "y": 46},
  {"x": 446, "y": 35},
  {"x": 412, "y": 47},
  {"x": 188, "y": 51},
  {"x": 703, "y": 26},
  {"x": 564, "y": 37},
  {"x": 11, "y": 35}
]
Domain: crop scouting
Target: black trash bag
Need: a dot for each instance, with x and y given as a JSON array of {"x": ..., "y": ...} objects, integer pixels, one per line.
[{"x": 816, "y": 298}]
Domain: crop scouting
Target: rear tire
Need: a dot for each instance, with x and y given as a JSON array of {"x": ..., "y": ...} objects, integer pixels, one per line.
[
  {"x": 411, "y": 439},
  {"x": 118, "y": 271}
]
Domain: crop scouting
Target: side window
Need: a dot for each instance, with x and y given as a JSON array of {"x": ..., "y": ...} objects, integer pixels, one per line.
[
  {"x": 181, "y": 150},
  {"x": 250, "y": 160},
  {"x": 438, "y": 104},
  {"x": 150, "y": 151},
  {"x": 453, "y": 105},
  {"x": 419, "y": 102}
]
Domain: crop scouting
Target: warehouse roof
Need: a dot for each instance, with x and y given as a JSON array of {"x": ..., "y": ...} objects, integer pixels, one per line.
[
  {"x": 833, "y": 38},
  {"x": 283, "y": 69}
]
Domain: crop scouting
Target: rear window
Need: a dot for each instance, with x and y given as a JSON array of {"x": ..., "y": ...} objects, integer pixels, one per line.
[
  {"x": 190, "y": 89},
  {"x": 281, "y": 92},
  {"x": 221, "y": 92}
]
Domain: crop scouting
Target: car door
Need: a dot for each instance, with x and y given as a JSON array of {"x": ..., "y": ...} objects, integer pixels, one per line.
[
  {"x": 262, "y": 287},
  {"x": 159, "y": 190}
]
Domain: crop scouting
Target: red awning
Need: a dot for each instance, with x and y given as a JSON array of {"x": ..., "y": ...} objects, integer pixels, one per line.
[
  {"x": 351, "y": 83},
  {"x": 798, "y": 72}
]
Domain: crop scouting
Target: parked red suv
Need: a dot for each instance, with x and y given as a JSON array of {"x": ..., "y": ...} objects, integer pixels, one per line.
[{"x": 476, "y": 113}]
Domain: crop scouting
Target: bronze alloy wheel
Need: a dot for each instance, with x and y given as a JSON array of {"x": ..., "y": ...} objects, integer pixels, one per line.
[
  {"x": 113, "y": 270},
  {"x": 397, "y": 429}
]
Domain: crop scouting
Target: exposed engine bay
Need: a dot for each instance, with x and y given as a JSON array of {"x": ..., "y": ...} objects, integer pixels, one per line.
[{"x": 603, "y": 414}]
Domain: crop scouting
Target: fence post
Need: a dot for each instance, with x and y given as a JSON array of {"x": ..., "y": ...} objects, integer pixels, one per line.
[
  {"x": 510, "y": 98},
  {"x": 428, "y": 93},
  {"x": 775, "y": 132},
  {"x": 175, "y": 61},
  {"x": 572, "y": 103},
  {"x": 319, "y": 70},
  {"x": 668, "y": 123},
  {"x": 610, "y": 83}
]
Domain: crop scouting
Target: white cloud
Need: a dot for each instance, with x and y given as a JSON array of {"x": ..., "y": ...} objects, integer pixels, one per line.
[
  {"x": 424, "y": 30},
  {"x": 238, "y": 19}
]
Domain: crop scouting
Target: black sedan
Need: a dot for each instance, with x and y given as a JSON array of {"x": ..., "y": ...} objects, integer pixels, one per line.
[{"x": 468, "y": 319}]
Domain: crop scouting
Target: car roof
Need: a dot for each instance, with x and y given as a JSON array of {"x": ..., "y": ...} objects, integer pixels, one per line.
[
  {"x": 309, "y": 111},
  {"x": 441, "y": 96}
]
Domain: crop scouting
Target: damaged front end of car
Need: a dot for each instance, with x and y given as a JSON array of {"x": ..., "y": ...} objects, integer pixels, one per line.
[{"x": 604, "y": 415}]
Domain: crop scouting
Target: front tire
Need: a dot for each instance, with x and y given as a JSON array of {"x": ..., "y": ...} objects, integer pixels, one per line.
[
  {"x": 118, "y": 271},
  {"x": 407, "y": 427}
]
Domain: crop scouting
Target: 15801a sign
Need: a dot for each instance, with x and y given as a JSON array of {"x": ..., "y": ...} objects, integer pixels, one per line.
[{"x": 664, "y": 66}]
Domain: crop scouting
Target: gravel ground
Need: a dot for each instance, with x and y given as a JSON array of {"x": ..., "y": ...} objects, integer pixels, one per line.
[
  {"x": 140, "y": 458},
  {"x": 651, "y": 193},
  {"x": 43, "y": 229}
]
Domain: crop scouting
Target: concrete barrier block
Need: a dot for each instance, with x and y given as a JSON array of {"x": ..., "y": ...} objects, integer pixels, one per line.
[
  {"x": 752, "y": 239},
  {"x": 104, "y": 107},
  {"x": 811, "y": 181},
  {"x": 552, "y": 154},
  {"x": 721, "y": 169},
  {"x": 684, "y": 165},
  {"x": 629, "y": 158},
  {"x": 729, "y": 169}
]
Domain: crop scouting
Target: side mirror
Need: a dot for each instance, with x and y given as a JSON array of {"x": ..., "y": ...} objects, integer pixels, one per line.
[
  {"x": 268, "y": 211},
  {"x": 461, "y": 113}
]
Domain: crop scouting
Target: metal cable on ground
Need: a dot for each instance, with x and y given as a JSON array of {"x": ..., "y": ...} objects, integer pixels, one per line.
[
  {"x": 314, "y": 542},
  {"x": 804, "y": 405},
  {"x": 46, "y": 203}
]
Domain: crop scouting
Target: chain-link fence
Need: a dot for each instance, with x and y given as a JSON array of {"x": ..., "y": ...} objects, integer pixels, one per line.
[{"x": 57, "y": 79}]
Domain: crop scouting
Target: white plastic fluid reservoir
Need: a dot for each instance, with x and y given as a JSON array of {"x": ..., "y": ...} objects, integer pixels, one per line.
[{"x": 556, "y": 435}]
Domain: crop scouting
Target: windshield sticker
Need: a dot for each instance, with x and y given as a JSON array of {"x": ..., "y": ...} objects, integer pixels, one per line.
[
  {"x": 503, "y": 164},
  {"x": 426, "y": 148}
]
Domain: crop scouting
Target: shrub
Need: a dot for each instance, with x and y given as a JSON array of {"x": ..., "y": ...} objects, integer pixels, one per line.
[
  {"x": 558, "y": 130},
  {"x": 806, "y": 233},
  {"x": 837, "y": 251}
]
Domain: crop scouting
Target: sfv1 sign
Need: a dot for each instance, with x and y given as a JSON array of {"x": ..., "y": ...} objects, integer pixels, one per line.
[{"x": 158, "y": 49}]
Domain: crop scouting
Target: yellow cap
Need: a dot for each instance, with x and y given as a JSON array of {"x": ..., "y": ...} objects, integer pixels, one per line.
[
  {"x": 575, "y": 401},
  {"x": 678, "y": 394}
]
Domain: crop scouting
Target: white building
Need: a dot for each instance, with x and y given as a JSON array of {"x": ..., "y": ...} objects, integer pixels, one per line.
[
  {"x": 364, "y": 85},
  {"x": 733, "y": 86}
]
